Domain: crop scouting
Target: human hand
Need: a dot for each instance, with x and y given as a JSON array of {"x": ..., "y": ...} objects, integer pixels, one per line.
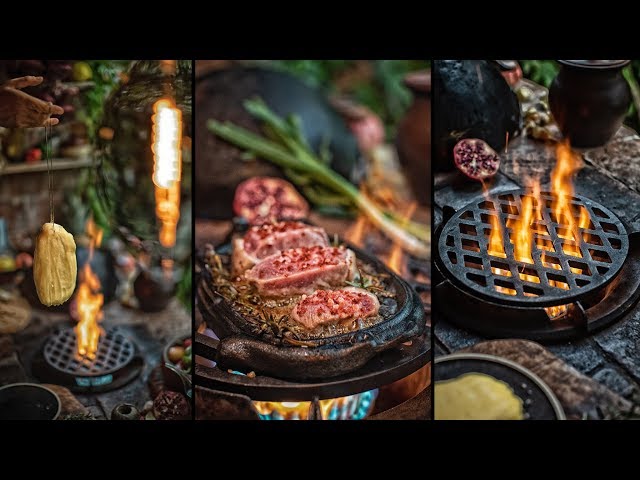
[{"x": 19, "y": 109}]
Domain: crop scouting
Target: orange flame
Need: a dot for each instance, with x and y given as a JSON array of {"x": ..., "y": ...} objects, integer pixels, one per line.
[
  {"x": 89, "y": 300},
  {"x": 496, "y": 248},
  {"x": 524, "y": 236},
  {"x": 396, "y": 258},
  {"x": 355, "y": 234},
  {"x": 567, "y": 165},
  {"x": 167, "y": 156},
  {"x": 300, "y": 410}
]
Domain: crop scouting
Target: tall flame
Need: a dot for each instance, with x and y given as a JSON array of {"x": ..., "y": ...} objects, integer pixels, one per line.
[
  {"x": 523, "y": 227},
  {"x": 523, "y": 235},
  {"x": 89, "y": 300},
  {"x": 496, "y": 248},
  {"x": 567, "y": 165},
  {"x": 167, "y": 170}
]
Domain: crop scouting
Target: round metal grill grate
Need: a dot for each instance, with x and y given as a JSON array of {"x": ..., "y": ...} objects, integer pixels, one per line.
[
  {"x": 558, "y": 275},
  {"x": 115, "y": 351}
]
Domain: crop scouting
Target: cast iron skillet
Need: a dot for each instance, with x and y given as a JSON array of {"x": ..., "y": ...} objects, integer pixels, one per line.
[
  {"x": 540, "y": 403},
  {"x": 241, "y": 349}
]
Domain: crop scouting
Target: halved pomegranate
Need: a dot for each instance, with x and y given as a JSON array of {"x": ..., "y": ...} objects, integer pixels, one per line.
[
  {"x": 475, "y": 158},
  {"x": 264, "y": 199}
]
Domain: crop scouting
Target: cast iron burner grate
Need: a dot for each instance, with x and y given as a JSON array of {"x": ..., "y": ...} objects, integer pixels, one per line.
[
  {"x": 114, "y": 352},
  {"x": 115, "y": 362},
  {"x": 507, "y": 298},
  {"x": 556, "y": 277}
]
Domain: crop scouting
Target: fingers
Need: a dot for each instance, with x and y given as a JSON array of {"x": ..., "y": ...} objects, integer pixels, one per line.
[
  {"x": 46, "y": 108},
  {"x": 50, "y": 122},
  {"x": 23, "y": 82},
  {"x": 55, "y": 109}
]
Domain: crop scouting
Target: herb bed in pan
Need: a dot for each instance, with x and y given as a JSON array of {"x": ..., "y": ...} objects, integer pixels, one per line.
[{"x": 270, "y": 316}]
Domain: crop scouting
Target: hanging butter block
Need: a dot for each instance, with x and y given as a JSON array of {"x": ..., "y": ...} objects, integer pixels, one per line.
[{"x": 54, "y": 265}]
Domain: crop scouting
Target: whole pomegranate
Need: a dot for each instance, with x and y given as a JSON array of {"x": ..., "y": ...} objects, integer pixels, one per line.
[
  {"x": 476, "y": 159},
  {"x": 264, "y": 199}
]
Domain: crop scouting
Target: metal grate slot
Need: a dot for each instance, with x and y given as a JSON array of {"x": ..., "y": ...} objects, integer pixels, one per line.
[{"x": 563, "y": 269}]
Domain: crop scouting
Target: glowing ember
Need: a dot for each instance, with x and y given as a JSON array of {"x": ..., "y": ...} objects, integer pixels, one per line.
[
  {"x": 89, "y": 300},
  {"x": 167, "y": 156}
]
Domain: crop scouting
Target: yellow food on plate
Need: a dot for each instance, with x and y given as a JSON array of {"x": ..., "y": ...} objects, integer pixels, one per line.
[
  {"x": 54, "y": 265},
  {"x": 476, "y": 396}
]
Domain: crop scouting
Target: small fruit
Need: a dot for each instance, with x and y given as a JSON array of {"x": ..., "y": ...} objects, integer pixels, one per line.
[
  {"x": 33, "y": 155},
  {"x": 186, "y": 343},
  {"x": 476, "y": 159},
  {"x": 265, "y": 199},
  {"x": 24, "y": 260},
  {"x": 175, "y": 353},
  {"x": 82, "y": 72},
  {"x": 7, "y": 263}
]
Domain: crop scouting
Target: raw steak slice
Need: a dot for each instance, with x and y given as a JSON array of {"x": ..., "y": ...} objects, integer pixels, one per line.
[
  {"x": 331, "y": 306},
  {"x": 261, "y": 241},
  {"x": 302, "y": 270}
]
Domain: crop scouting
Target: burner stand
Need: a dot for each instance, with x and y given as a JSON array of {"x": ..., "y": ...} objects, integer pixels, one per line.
[{"x": 115, "y": 363}]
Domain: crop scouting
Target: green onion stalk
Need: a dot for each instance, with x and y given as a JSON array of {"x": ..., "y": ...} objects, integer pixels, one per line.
[{"x": 288, "y": 149}]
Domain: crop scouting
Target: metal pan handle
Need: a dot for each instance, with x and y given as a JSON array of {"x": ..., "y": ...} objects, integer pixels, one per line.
[{"x": 206, "y": 346}]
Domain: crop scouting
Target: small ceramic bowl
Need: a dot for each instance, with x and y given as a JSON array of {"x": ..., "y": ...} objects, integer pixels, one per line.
[
  {"x": 28, "y": 401},
  {"x": 172, "y": 380}
]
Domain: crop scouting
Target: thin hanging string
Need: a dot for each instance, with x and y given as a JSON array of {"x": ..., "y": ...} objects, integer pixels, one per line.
[{"x": 47, "y": 139}]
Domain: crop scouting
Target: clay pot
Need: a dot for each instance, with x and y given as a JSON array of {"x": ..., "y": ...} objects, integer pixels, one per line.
[
  {"x": 154, "y": 289},
  {"x": 414, "y": 137},
  {"x": 589, "y": 100}
]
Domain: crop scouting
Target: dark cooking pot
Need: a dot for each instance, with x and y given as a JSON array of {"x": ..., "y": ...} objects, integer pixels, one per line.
[
  {"x": 220, "y": 95},
  {"x": 28, "y": 401},
  {"x": 471, "y": 99},
  {"x": 589, "y": 100}
]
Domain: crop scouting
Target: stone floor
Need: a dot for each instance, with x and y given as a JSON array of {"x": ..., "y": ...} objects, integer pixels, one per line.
[
  {"x": 611, "y": 176},
  {"x": 148, "y": 331}
]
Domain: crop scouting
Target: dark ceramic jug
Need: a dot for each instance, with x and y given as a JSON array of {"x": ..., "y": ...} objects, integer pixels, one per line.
[{"x": 589, "y": 100}]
